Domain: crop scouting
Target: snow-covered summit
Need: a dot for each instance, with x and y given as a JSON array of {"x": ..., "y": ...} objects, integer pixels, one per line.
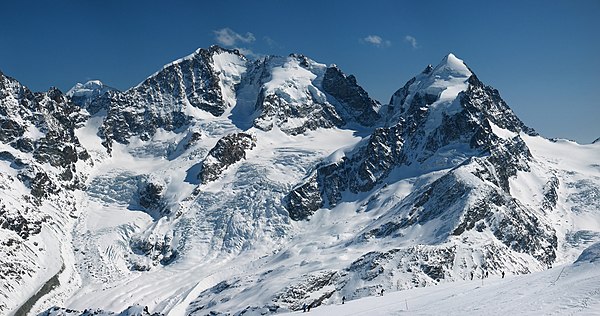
[
  {"x": 435, "y": 87},
  {"x": 91, "y": 95},
  {"x": 451, "y": 65},
  {"x": 297, "y": 94},
  {"x": 88, "y": 89},
  {"x": 199, "y": 55}
]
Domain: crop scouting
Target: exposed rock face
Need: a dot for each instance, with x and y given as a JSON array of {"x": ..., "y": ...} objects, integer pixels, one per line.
[
  {"x": 344, "y": 88},
  {"x": 228, "y": 150},
  {"x": 277, "y": 110},
  {"x": 426, "y": 265},
  {"x": 150, "y": 197},
  {"x": 20, "y": 223},
  {"x": 163, "y": 100},
  {"x": 550, "y": 193},
  {"x": 41, "y": 154},
  {"x": 289, "y": 298},
  {"x": 151, "y": 249},
  {"x": 134, "y": 310},
  {"x": 486, "y": 101},
  {"x": 358, "y": 172},
  {"x": 40, "y": 126},
  {"x": 294, "y": 294}
]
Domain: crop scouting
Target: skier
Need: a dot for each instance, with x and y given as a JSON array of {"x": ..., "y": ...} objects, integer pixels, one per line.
[
  {"x": 487, "y": 274},
  {"x": 304, "y": 308},
  {"x": 343, "y": 299},
  {"x": 381, "y": 292},
  {"x": 503, "y": 274},
  {"x": 471, "y": 275}
]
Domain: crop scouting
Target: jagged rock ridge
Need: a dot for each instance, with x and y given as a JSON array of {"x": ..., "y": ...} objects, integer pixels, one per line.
[{"x": 42, "y": 160}]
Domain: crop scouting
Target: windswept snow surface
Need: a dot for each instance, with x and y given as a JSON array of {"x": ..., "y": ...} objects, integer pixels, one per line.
[{"x": 564, "y": 290}]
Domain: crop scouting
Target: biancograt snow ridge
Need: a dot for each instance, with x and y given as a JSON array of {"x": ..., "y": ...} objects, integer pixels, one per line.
[{"x": 226, "y": 185}]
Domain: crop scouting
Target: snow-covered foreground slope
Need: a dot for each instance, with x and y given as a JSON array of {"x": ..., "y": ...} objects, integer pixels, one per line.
[
  {"x": 563, "y": 290},
  {"x": 221, "y": 185}
]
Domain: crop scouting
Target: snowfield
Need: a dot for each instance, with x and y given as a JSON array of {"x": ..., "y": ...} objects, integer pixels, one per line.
[{"x": 564, "y": 290}]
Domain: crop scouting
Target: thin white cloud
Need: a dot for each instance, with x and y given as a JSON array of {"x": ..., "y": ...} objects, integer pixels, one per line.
[
  {"x": 228, "y": 37},
  {"x": 412, "y": 41},
  {"x": 271, "y": 42},
  {"x": 376, "y": 40}
]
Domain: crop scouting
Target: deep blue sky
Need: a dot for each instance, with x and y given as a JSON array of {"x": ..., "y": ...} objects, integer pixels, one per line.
[{"x": 543, "y": 56}]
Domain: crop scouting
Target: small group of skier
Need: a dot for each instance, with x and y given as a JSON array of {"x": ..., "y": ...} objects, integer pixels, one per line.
[
  {"x": 306, "y": 308},
  {"x": 484, "y": 274}
]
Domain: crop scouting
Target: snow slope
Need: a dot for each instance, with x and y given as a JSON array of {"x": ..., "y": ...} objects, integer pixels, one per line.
[{"x": 563, "y": 290}]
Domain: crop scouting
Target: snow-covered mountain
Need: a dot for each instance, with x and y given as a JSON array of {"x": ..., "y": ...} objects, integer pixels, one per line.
[
  {"x": 227, "y": 185},
  {"x": 86, "y": 95},
  {"x": 41, "y": 163}
]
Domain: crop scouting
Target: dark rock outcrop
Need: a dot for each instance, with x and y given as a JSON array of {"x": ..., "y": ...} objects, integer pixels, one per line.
[
  {"x": 359, "y": 171},
  {"x": 360, "y": 107},
  {"x": 156, "y": 248},
  {"x": 228, "y": 150},
  {"x": 50, "y": 120}
]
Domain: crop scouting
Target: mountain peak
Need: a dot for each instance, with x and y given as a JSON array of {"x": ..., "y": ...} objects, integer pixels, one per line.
[
  {"x": 94, "y": 83},
  {"x": 442, "y": 82},
  {"x": 88, "y": 84},
  {"x": 91, "y": 87},
  {"x": 84, "y": 94},
  {"x": 452, "y": 66}
]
